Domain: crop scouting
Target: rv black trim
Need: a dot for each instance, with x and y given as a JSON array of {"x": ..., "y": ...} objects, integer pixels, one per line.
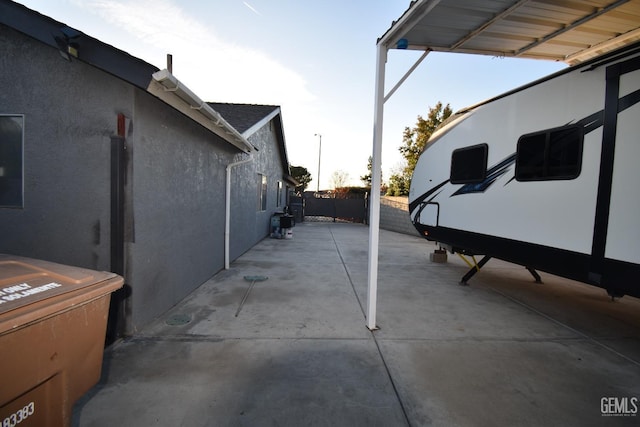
[
  {"x": 614, "y": 276},
  {"x": 612, "y": 107},
  {"x": 589, "y": 123}
]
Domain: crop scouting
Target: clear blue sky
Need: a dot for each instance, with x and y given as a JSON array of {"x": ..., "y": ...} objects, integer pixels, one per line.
[{"x": 316, "y": 59}]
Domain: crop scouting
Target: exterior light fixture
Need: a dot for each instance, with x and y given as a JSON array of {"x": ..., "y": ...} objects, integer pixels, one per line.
[{"x": 67, "y": 45}]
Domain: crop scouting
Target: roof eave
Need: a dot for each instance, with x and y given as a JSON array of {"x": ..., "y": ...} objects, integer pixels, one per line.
[
  {"x": 170, "y": 90},
  {"x": 257, "y": 126}
]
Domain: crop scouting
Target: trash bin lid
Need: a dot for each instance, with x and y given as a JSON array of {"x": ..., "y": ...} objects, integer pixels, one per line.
[{"x": 32, "y": 289}]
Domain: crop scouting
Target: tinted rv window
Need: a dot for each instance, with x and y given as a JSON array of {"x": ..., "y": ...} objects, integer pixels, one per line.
[
  {"x": 551, "y": 154},
  {"x": 469, "y": 164}
]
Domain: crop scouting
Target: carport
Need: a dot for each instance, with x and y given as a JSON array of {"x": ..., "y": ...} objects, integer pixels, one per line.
[{"x": 557, "y": 30}]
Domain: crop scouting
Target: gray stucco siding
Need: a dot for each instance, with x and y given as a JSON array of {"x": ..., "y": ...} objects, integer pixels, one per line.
[
  {"x": 70, "y": 112},
  {"x": 249, "y": 225},
  {"x": 178, "y": 179}
]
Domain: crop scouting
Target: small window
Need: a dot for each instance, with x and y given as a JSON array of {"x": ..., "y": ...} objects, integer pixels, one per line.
[
  {"x": 262, "y": 192},
  {"x": 11, "y": 161},
  {"x": 551, "y": 154},
  {"x": 279, "y": 195},
  {"x": 469, "y": 164}
]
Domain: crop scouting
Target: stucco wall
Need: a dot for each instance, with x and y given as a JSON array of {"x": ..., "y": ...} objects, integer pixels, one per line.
[
  {"x": 249, "y": 224},
  {"x": 177, "y": 180},
  {"x": 70, "y": 113}
]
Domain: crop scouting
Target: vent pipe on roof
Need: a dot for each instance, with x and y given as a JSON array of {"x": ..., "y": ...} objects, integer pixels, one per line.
[{"x": 170, "y": 63}]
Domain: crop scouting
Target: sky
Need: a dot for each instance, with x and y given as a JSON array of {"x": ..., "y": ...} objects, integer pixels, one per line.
[{"x": 314, "y": 59}]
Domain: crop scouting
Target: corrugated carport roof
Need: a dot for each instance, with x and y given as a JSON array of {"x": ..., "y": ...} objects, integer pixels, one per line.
[{"x": 562, "y": 30}]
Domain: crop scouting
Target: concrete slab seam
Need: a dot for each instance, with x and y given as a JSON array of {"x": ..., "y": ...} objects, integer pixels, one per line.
[
  {"x": 582, "y": 334},
  {"x": 373, "y": 335}
]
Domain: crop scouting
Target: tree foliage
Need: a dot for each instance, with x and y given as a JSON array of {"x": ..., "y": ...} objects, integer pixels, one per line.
[
  {"x": 413, "y": 142},
  {"x": 398, "y": 184},
  {"x": 302, "y": 175},
  {"x": 366, "y": 179}
]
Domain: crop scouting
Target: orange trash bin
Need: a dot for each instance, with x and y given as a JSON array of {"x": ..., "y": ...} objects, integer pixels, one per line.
[{"x": 53, "y": 321}]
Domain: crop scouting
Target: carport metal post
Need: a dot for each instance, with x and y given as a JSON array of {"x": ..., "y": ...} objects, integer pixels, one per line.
[{"x": 376, "y": 167}]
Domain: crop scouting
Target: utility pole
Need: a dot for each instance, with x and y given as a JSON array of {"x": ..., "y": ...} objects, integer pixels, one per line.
[{"x": 319, "y": 151}]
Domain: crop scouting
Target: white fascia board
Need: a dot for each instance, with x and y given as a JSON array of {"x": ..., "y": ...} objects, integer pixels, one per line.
[
  {"x": 406, "y": 22},
  {"x": 169, "y": 89},
  {"x": 253, "y": 129}
]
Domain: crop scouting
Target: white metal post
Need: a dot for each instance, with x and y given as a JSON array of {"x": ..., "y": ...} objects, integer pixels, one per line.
[{"x": 376, "y": 168}]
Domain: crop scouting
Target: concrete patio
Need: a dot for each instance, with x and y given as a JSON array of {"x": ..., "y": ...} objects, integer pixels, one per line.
[{"x": 503, "y": 351}]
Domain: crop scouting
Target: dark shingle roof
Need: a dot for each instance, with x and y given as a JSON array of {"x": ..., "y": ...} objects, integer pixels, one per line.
[{"x": 242, "y": 116}]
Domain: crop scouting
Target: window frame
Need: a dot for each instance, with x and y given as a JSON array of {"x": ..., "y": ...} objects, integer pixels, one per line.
[
  {"x": 262, "y": 192},
  {"x": 525, "y": 173},
  {"x": 483, "y": 158},
  {"x": 18, "y": 204},
  {"x": 279, "y": 194}
]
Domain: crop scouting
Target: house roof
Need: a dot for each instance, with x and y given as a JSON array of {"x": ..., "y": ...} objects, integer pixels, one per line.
[
  {"x": 243, "y": 117},
  {"x": 165, "y": 86},
  {"x": 571, "y": 31},
  {"x": 248, "y": 118}
]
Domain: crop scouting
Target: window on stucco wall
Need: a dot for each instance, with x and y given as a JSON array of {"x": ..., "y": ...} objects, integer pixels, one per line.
[
  {"x": 262, "y": 192},
  {"x": 11, "y": 161},
  {"x": 279, "y": 195}
]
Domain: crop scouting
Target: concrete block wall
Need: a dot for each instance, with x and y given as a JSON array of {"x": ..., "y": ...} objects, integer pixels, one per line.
[{"x": 394, "y": 215}]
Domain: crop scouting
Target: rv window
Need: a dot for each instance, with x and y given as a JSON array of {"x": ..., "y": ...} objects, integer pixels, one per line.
[
  {"x": 11, "y": 161},
  {"x": 469, "y": 164},
  {"x": 551, "y": 154}
]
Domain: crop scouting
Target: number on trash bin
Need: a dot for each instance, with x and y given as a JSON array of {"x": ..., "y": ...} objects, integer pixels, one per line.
[{"x": 19, "y": 416}]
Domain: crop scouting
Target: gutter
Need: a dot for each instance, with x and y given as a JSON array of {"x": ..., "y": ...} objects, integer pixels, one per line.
[
  {"x": 227, "y": 214},
  {"x": 165, "y": 86}
]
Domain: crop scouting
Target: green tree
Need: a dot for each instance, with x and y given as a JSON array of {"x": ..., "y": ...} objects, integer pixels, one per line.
[
  {"x": 413, "y": 142},
  {"x": 398, "y": 184},
  {"x": 302, "y": 175},
  {"x": 366, "y": 179},
  {"x": 415, "y": 139}
]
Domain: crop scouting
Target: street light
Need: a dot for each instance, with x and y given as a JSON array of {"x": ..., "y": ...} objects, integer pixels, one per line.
[{"x": 319, "y": 150}]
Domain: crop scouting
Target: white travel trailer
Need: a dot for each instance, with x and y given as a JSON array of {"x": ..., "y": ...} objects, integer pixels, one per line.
[{"x": 546, "y": 176}]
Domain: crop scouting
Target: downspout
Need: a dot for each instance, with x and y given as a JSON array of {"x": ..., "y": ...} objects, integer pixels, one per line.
[{"x": 227, "y": 204}]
